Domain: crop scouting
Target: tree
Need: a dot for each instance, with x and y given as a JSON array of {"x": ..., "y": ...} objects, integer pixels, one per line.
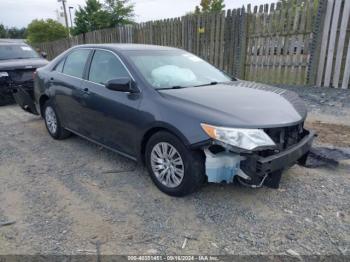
[
  {"x": 120, "y": 12},
  {"x": 17, "y": 33},
  {"x": 217, "y": 5},
  {"x": 3, "y": 32},
  {"x": 96, "y": 16},
  {"x": 90, "y": 18},
  {"x": 197, "y": 10},
  {"x": 45, "y": 30},
  {"x": 207, "y": 6},
  {"x": 13, "y": 32}
]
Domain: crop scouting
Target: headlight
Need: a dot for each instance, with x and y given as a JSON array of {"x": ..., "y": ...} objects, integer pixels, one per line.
[
  {"x": 4, "y": 74},
  {"x": 248, "y": 139}
]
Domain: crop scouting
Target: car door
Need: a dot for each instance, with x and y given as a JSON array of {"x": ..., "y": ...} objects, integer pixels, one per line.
[
  {"x": 65, "y": 82},
  {"x": 110, "y": 115}
]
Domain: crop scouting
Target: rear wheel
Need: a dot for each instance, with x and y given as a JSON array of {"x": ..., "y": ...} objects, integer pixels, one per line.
[
  {"x": 53, "y": 123},
  {"x": 175, "y": 170}
]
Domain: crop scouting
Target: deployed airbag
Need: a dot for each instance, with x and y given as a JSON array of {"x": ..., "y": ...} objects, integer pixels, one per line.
[{"x": 171, "y": 75}]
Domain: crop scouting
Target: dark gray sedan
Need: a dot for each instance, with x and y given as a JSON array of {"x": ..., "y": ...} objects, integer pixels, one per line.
[
  {"x": 18, "y": 61},
  {"x": 187, "y": 121}
]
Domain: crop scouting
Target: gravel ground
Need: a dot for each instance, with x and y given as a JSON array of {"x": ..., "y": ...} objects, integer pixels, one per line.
[{"x": 73, "y": 197}]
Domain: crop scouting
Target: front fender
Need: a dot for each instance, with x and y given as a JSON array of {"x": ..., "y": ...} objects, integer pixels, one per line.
[{"x": 159, "y": 125}]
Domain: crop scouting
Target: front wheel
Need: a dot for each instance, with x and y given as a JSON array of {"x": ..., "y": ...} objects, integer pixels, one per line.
[
  {"x": 175, "y": 169},
  {"x": 53, "y": 123}
]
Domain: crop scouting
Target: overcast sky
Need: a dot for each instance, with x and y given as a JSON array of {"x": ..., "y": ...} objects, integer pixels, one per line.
[{"x": 21, "y": 12}]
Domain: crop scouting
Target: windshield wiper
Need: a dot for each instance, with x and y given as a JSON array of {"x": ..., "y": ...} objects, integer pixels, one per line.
[
  {"x": 172, "y": 87},
  {"x": 209, "y": 84}
]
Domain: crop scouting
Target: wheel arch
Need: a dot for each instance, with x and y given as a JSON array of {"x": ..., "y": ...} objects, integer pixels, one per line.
[
  {"x": 155, "y": 129},
  {"x": 42, "y": 100}
]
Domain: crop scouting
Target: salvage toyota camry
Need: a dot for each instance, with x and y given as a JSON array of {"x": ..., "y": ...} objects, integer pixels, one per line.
[{"x": 187, "y": 121}]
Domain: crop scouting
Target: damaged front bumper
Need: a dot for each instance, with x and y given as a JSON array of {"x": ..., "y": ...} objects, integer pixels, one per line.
[
  {"x": 4, "y": 83},
  {"x": 286, "y": 158},
  {"x": 19, "y": 85},
  {"x": 257, "y": 167},
  {"x": 24, "y": 96},
  {"x": 253, "y": 168}
]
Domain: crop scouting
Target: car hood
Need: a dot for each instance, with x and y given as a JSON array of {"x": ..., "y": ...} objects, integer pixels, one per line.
[
  {"x": 14, "y": 64},
  {"x": 240, "y": 104}
]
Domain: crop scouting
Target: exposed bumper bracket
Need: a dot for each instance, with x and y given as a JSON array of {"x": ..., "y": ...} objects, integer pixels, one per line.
[{"x": 287, "y": 157}]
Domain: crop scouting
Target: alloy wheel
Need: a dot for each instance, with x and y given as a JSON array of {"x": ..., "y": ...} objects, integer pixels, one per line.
[
  {"x": 51, "y": 119},
  {"x": 167, "y": 164}
]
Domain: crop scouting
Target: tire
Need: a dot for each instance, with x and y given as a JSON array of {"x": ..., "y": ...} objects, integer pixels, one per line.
[
  {"x": 53, "y": 123},
  {"x": 6, "y": 99},
  {"x": 193, "y": 175}
]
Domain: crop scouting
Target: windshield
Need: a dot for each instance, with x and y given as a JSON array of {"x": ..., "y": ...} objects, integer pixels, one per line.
[
  {"x": 175, "y": 69},
  {"x": 13, "y": 51}
]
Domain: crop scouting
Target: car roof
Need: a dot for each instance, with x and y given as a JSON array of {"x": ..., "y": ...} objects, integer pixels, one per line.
[
  {"x": 6, "y": 41},
  {"x": 130, "y": 47}
]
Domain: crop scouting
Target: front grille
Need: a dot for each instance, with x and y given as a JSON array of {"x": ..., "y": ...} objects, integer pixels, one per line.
[{"x": 284, "y": 137}]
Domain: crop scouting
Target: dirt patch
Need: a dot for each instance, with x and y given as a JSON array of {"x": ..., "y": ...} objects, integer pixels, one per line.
[
  {"x": 330, "y": 133},
  {"x": 332, "y": 145}
]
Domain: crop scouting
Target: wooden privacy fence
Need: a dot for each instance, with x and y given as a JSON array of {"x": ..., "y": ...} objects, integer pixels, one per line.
[
  {"x": 214, "y": 37},
  {"x": 279, "y": 38},
  {"x": 295, "y": 42},
  {"x": 334, "y": 58}
]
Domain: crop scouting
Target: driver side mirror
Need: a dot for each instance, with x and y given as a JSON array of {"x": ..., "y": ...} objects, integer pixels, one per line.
[
  {"x": 123, "y": 84},
  {"x": 43, "y": 54}
]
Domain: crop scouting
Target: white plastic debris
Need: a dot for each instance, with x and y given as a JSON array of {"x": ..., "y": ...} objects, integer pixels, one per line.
[{"x": 222, "y": 166}]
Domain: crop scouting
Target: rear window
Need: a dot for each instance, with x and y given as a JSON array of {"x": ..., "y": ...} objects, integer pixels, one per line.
[
  {"x": 15, "y": 51},
  {"x": 75, "y": 63}
]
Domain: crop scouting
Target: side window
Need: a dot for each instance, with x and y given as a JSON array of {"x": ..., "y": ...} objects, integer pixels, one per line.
[
  {"x": 75, "y": 63},
  {"x": 59, "y": 66},
  {"x": 106, "y": 66}
]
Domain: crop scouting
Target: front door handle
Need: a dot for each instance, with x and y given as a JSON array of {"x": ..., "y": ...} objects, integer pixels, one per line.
[{"x": 86, "y": 91}]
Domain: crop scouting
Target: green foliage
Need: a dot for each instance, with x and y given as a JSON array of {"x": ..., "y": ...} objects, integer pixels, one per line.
[
  {"x": 207, "y": 6},
  {"x": 17, "y": 33},
  {"x": 197, "y": 10},
  {"x": 217, "y": 6},
  {"x": 96, "y": 16},
  {"x": 120, "y": 12},
  {"x": 40, "y": 31},
  {"x": 13, "y": 32},
  {"x": 90, "y": 18},
  {"x": 3, "y": 32}
]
